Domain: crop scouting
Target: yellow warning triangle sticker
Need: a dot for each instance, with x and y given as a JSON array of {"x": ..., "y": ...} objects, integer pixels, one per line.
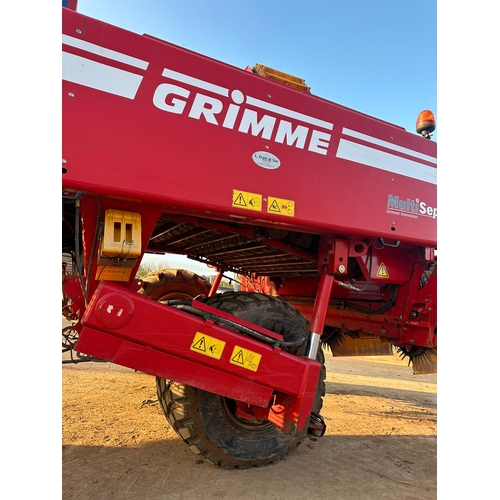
[
  {"x": 200, "y": 345},
  {"x": 238, "y": 358},
  {"x": 240, "y": 201},
  {"x": 382, "y": 271},
  {"x": 274, "y": 207}
]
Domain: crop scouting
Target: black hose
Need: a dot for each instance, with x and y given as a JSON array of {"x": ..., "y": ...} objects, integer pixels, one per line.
[
  {"x": 249, "y": 331},
  {"x": 381, "y": 310},
  {"x": 78, "y": 261},
  {"x": 94, "y": 245}
]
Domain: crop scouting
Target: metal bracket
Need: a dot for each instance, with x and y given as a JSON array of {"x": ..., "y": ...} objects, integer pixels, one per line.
[{"x": 333, "y": 254}]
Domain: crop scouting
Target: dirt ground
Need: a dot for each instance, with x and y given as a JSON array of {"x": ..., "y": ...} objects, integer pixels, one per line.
[{"x": 380, "y": 441}]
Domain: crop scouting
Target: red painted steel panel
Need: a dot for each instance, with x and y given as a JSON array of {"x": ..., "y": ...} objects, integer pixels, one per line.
[
  {"x": 139, "y": 357},
  {"x": 149, "y": 120},
  {"x": 139, "y": 319}
]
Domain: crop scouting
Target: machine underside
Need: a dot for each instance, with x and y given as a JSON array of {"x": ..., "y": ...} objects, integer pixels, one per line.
[{"x": 365, "y": 316}]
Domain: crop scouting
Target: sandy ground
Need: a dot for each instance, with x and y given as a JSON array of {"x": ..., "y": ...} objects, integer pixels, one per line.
[{"x": 380, "y": 440}]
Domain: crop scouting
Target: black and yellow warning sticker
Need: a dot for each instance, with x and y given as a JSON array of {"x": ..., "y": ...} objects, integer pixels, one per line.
[
  {"x": 280, "y": 206},
  {"x": 249, "y": 201},
  {"x": 245, "y": 358},
  {"x": 209, "y": 346},
  {"x": 382, "y": 271}
]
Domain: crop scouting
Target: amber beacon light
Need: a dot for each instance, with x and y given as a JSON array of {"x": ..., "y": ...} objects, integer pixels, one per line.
[{"x": 426, "y": 123}]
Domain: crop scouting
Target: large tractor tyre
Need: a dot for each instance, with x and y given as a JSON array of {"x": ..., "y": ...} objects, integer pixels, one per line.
[
  {"x": 207, "y": 421},
  {"x": 172, "y": 284}
]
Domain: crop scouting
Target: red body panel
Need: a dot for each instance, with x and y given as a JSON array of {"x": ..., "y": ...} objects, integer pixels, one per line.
[
  {"x": 192, "y": 149},
  {"x": 129, "y": 329},
  {"x": 190, "y": 144}
]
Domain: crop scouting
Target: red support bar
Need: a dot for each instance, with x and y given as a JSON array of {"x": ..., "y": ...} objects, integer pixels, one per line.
[
  {"x": 215, "y": 284},
  {"x": 321, "y": 304},
  {"x": 319, "y": 312},
  {"x": 155, "y": 362}
]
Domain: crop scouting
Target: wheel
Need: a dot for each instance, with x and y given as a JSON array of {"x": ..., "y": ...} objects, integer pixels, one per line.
[
  {"x": 171, "y": 284},
  {"x": 207, "y": 421}
]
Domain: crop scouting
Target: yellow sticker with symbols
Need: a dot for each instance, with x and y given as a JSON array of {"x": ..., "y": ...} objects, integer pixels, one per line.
[
  {"x": 280, "y": 206},
  {"x": 382, "y": 271},
  {"x": 209, "y": 346},
  {"x": 249, "y": 201},
  {"x": 245, "y": 358}
]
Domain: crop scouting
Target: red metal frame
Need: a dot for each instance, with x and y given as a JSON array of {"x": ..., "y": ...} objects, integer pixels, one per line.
[
  {"x": 164, "y": 96},
  {"x": 215, "y": 284},
  {"x": 129, "y": 329},
  {"x": 410, "y": 320}
]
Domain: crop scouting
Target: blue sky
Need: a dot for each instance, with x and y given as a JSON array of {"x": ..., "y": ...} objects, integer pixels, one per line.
[{"x": 378, "y": 57}]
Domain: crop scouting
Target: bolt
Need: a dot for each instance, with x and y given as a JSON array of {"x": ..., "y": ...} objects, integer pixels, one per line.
[
  {"x": 71, "y": 94},
  {"x": 412, "y": 340},
  {"x": 79, "y": 32},
  {"x": 269, "y": 95},
  {"x": 267, "y": 147},
  {"x": 341, "y": 268},
  {"x": 382, "y": 330},
  {"x": 64, "y": 161}
]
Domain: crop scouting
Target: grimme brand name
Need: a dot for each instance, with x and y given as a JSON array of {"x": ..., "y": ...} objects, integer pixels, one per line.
[
  {"x": 230, "y": 113},
  {"x": 410, "y": 207}
]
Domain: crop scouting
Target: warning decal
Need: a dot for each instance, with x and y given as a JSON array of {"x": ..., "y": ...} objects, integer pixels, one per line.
[
  {"x": 204, "y": 344},
  {"x": 382, "y": 271},
  {"x": 250, "y": 201},
  {"x": 281, "y": 206},
  {"x": 245, "y": 358}
]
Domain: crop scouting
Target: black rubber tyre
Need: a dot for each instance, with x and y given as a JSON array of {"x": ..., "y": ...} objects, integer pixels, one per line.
[
  {"x": 171, "y": 284},
  {"x": 206, "y": 421}
]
